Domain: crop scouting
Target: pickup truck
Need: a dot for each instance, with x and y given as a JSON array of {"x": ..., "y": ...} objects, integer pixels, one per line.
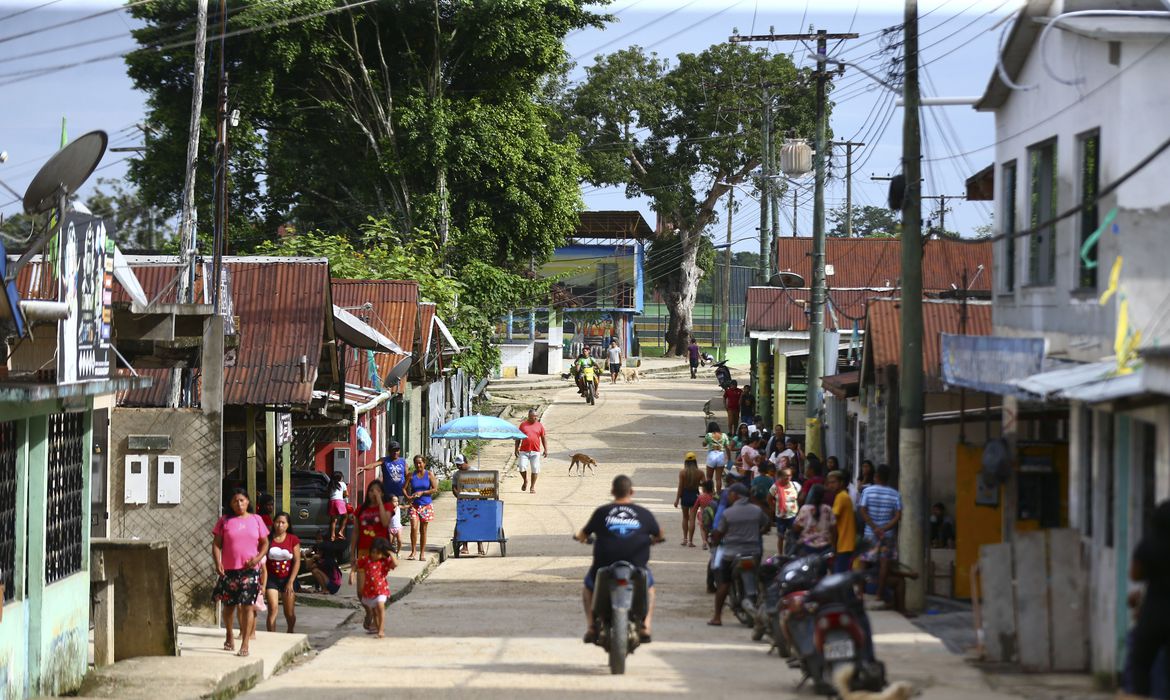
[{"x": 308, "y": 505}]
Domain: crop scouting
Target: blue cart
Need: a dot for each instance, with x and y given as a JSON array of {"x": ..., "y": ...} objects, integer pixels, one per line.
[{"x": 479, "y": 515}]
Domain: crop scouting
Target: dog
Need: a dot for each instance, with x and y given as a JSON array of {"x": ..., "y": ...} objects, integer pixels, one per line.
[
  {"x": 580, "y": 461},
  {"x": 631, "y": 374},
  {"x": 895, "y": 691}
]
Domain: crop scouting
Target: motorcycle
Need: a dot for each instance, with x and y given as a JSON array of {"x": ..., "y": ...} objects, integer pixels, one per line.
[
  {"x": 743, "y": 592},
  {"x": 722, "y": 374},
  {"x": 588, "y": 378},
  {"x": 841, "y": 634},
  {"x": 767, "y": 617},
  {"x": 796, "y": 618}
]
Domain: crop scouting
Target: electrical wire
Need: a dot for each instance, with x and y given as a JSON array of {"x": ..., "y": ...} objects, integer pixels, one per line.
[{"x": 29, "y": 9}]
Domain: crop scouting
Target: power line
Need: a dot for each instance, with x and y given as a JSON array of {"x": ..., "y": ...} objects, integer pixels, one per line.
[
  {"x": 29, "y": 9},
  {"x": 69, "y": 22}
]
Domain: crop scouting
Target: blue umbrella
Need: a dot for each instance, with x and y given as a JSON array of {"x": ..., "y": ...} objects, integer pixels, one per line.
[{"x": 477, "y": 427}]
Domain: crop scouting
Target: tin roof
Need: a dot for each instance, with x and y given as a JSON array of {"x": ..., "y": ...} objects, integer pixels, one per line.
[
  {"x": 613, "y": 224},
  {"x": 283, "y": 305},
  {"x": 877, "y": 262},
  {"x": 776, "y": 309},
  {"x": 392, "y": 309},
  {"x": 883, "y": 329}
]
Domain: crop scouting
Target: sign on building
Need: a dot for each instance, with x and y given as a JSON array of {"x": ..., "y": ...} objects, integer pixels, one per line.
[
  {"x": 86, "y": 260},
  {"x": 989, "y": 363}
]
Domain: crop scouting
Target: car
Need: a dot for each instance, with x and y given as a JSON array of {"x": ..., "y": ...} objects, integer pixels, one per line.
[{"x": 308, "y": 503}]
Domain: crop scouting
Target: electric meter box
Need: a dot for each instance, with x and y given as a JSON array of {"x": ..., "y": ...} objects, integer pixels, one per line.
[
  {"x": 137, "y": 479},
  {"x": 170, "y": 478},
  {"x": 341, "y": 459}
]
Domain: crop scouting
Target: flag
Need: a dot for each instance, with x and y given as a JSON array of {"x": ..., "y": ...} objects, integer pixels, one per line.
[{"x": 1114, "y": 280}]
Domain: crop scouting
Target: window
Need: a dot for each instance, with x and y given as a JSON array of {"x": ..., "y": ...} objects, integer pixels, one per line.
[
  {"x": 1089, "y": 145},
  {"x": 1042, "y": 182},
  {"x": 1009, "y": 226},
  {"x": 8, "y": 500},
  {"x": 66, "y": 491}
]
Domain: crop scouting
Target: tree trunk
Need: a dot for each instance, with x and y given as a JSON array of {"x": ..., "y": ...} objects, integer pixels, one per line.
[{"x": 680, "y": 297}]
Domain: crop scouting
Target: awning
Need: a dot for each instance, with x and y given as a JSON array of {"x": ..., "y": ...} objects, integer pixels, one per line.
[
  {"x": 360, "y": 334},
  {"x": 451, "y": 344},
  {"x": 843, "y": 385},
  {"x": 1052, "y": 382},
  {"x": 1094, "y": 382}
]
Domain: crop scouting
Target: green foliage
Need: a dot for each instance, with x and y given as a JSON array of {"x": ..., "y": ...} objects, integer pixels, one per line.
[
  {"x": 868, "y": 222},
  {"x": 136, "y": 226}
]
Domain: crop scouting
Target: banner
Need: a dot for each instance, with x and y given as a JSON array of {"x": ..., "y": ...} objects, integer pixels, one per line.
[
  {"x": 988, "y": 363},
  {"x": 86, "y": 260}
]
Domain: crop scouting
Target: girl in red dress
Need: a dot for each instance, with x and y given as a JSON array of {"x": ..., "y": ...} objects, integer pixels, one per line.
[{"x": 375, "y": 589}]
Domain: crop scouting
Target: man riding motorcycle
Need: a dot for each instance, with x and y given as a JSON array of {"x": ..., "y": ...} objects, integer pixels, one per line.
[
  {"x": 623, "y": 531},
  {"x": 585, "y": 360}
]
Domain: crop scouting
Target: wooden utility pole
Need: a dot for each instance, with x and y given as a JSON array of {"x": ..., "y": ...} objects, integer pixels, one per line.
[
  {"x": 849, "y": 146},
  {"x": 912, "y": 471},
  {"x": 942, "y": 207},
  {"x": 725, "y": 305}
]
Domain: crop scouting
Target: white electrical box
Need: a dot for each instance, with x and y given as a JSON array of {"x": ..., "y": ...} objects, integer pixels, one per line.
[
  {"x": 137, "y": 479},
  {"x": 170, "y": 478},
  {"x": 341, "y": 459}
]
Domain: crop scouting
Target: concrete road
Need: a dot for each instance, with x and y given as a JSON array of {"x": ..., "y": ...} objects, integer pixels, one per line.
[{"x": 511, "y": 627}]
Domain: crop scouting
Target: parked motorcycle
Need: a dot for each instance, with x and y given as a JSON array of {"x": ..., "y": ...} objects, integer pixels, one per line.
[
  {"x": 797, "y": 618},
  {"x": 841, "y": 634},
  {"x": 743, "y": 591},
  {"x": 722, "y": 374},
  {"x": 767, "y": 617}
]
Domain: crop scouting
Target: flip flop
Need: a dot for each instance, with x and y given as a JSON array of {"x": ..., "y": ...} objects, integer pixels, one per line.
[
  {"x": 229, "y": 646},
  {"x": 242, "y": 652},
  {"x": 712, "y": 623},
  {"x": 692, "y": 544}
]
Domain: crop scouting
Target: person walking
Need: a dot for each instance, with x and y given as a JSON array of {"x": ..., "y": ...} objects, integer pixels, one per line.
[
  {"x": 815, "y": 523},
  {"x": 373, "y": 522},
  {"x": 785, "y": 499},
  {"x": 731, "y": 399},
  {"x": 420, "y": 487},
  {"x": 690, "y": 479},
  {"x": 881, "y": 509},
  {"x": 693, "y": 354},
  {"x": 737, "y": 532},
  {"x": 374, "y": 569},
  {"x": 747, "y": 407},
  {"x": 239, "y": 542},
  {"x": 284, "y": 563},
  {"x": 1151, "y": 633},
  {"x": 530, "y": 450},
  {"x": 846, "y": 521},
  {"x": 615, "y": 361},
  {"x": 718, "y": 453}
]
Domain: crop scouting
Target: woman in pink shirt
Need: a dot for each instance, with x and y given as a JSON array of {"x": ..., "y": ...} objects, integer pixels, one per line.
[{"x": 240, "y": 541}]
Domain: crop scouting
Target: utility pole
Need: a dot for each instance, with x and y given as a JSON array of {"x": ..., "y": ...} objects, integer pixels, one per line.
[
  {"x": 221, "y": 189},
  {"x": 725, "y": 307},
  {"x": 186, "y": 286},
  {"x": 912, "y": 472},
  {"x": 765, "y": 188},
  {"x": 849, "y": 146},
  {"x": 794, "y": 212},
  {"x": 942, "y": 207}
]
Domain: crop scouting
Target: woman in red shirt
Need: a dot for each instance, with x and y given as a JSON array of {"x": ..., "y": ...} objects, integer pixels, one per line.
[
  {"x": 373, "y": 521},
  {"x": 284, "y": 563}
]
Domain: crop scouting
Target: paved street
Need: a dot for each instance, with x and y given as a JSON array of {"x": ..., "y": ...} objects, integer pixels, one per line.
[{"x": 492, "y": 627}]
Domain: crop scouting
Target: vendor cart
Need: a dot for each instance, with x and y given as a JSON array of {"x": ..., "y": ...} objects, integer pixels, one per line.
[{"x": 479, "y": 513}]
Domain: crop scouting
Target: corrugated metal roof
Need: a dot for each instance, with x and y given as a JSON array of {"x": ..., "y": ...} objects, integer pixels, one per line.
[
  {"x": 775, "y": 309},
  {"x": 282, "y": 304},
  {"x": 393, "y": 310},
  {"x": 877, "y": 262},
  {"x": 883, "y": 329}
]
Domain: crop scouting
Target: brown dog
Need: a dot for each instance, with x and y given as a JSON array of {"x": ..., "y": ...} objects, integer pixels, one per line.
[
  {"x": 895, "y": 691},
  {"x": 580, "y": 461}
]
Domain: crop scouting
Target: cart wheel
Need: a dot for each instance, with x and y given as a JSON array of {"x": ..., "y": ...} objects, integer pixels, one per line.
[
  {"x": 503, "y": 544},
  {"x": 455, "y": 548}
]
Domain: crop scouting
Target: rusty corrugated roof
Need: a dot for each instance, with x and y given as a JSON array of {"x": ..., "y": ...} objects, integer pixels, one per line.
[
  {"x": 282, "y": 304},
  {"x": 393, "y": 311},
  {"x": 775, "y": 309},
  {"x": 883, "y": 329},
  {"x": 877, "y": 262}
]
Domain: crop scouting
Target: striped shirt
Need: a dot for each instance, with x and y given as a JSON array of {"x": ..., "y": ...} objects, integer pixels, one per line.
[{"x": 881, "y": 502}]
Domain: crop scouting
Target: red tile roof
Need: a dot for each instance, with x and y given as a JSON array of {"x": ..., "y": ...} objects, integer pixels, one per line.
[
  {"x": 775, "y": 309},
  {"x": 877, "y": 262},
  {"x": 394, "y": 312},
  {"x": 883, "y": 330}
]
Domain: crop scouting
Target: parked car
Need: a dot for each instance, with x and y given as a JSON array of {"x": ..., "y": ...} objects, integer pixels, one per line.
[{"x": 308, "y": 503}]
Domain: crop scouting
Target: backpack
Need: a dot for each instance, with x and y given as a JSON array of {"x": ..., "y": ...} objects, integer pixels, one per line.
[{"x": 709, "y": 516}]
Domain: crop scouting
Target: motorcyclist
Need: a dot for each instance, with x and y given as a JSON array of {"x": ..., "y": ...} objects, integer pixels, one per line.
[
  {"x": 585, "y": 359},
  {"x": 622, "y": 531},
  {"x": 737, "y": 532}
]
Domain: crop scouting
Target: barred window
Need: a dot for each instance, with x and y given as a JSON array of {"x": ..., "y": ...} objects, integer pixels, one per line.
[
  {"x": 8, "y": 449},
  {"x": 65, "y": 496}
]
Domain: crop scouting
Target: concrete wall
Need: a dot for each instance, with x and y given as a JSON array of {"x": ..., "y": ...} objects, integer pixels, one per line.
[
  {"x": 1127, "y": 103},
  {"x": 195, "y": 436},
  {"x": 518, "y": 356},
  {"x": 43, "y": 635}
]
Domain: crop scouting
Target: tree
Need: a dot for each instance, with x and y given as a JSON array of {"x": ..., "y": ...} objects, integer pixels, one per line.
[
  {"x": 868, "y": 222},
  {"x": 984, "y": 231},
  {"x": 429, "y": 115},
  {"x": 135, "y": 225},
  {"x": 682, "y": 135}
]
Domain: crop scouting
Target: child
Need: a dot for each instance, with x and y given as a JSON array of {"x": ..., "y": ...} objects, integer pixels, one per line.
[
  {"x": 338, "y": 507},
  {"x": 375, "y": 591},
  {"x": 706, "y": 498},
  {"x": 395, "y": 524}
]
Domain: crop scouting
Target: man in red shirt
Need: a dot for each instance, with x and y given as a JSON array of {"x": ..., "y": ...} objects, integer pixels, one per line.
[
  {"x": 530, "y": 450},
  {"x": 731, "y": 398}
]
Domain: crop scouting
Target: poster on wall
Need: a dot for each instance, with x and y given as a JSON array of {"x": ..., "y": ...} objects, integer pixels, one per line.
[{"x": 86, "y": 260}]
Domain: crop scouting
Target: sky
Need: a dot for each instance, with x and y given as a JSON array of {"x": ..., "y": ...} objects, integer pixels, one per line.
[{"x": 958, "y": 40}]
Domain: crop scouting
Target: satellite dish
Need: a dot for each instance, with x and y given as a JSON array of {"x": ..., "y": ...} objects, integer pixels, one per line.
[
  {"x": 787, "y": 279},
  {"x": 997, "y": 463},
  {"x": 395, "y": 375},
  {"x": 65, "y": 172}
]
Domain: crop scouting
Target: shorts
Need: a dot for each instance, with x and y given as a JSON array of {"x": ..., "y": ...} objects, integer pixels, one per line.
[
  {"x": 695, "y": 362},
  {"x": 689, "y": 498},
  {"x": 423, "y": 513},
  {"x": 376, "y": 600},
  {"x": 615, "y": 367},
  {"x": 338, "y": 506},
  {"x": 886, "y": 550},
  {"x": 530, "y": 461},
  {"x": 783, "y": 524},
  {"x": 843, "y": 562},
  {"x": 276, "y": 584},
  {"x": 723, "y": 569},
  {"x": 591, "y": 577},
  {"x": 716, "y": 459}
]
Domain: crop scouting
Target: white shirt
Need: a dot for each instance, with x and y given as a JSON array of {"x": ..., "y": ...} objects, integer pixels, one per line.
[
  {"x": 615, "y": 356},
  {"x": 395, "y": 519},
  {"x": 338, "y": 493}
]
